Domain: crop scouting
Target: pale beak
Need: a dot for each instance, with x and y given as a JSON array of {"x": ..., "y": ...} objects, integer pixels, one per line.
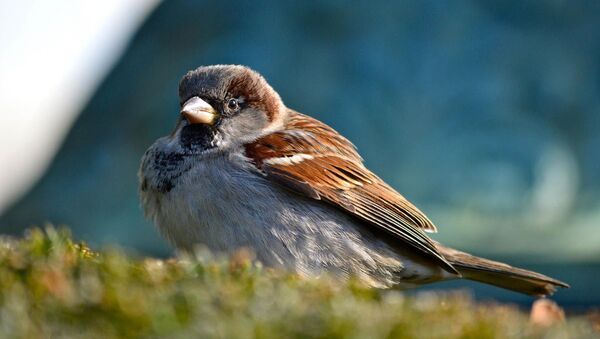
[{"x": 198, "y": 111}]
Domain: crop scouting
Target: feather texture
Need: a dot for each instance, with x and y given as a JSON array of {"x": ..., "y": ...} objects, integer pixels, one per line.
[
  {"x": 297, "y": 193},
  {"x": 312, "y": 159}
]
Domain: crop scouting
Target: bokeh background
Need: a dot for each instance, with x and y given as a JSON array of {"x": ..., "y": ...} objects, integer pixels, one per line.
[{"x": 486, "y": 114}]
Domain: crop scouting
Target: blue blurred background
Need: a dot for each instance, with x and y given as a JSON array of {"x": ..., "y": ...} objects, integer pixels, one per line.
[{"x": 486, "y": 114}]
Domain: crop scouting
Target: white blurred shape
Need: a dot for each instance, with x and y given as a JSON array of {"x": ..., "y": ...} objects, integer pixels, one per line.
[
  {"x": 52, "y": 56},
  {"x": 556, "y": 184}
]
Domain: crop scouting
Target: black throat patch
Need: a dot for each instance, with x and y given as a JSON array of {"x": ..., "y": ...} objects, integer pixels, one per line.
[
  {"x": 196, "y": 138},
  {"x": 168, "y": 168}
]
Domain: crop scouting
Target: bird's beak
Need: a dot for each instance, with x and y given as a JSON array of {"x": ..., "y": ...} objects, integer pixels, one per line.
[{"x": 198, "y": 111}]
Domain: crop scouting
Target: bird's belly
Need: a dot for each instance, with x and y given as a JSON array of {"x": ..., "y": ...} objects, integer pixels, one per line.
[{"x": 226, "y": 207}]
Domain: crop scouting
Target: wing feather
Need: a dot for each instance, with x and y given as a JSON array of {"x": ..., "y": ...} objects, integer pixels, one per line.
[{"x": 314, "y": 160}]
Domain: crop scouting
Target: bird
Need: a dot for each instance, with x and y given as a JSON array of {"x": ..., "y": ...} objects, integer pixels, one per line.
[{"x": 242, "y": 170}]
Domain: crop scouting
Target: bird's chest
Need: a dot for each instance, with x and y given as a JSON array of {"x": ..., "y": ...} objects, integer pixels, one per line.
[{"x": 221, "y": 204}]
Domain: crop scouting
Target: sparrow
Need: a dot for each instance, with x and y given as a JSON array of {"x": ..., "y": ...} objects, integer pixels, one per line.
[{"x": 242, "y": 170}]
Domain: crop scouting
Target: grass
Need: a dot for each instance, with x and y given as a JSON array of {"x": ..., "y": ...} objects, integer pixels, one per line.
[{"x": 53, "y": 287}]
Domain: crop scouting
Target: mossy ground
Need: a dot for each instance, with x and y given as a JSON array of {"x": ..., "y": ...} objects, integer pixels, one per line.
[{"x": 53, "y": 287}]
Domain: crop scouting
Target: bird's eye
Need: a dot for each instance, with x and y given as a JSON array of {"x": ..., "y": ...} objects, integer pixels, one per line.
[{"x": 233, "y": 104}]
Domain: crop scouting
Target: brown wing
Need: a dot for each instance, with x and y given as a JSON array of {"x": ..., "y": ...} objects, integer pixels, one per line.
[{"x": 311, "y": 158}]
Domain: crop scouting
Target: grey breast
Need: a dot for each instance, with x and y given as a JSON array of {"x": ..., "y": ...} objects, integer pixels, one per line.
[{"x": 221, "y": 202}]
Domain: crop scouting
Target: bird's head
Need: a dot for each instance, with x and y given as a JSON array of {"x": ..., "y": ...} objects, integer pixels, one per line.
[{"x": 225, "y": 106}]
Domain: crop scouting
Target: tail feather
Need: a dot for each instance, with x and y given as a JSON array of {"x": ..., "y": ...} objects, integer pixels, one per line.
[{"x": 500, "y": 274}]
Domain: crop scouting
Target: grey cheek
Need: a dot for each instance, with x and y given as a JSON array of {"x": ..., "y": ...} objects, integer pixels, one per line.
[{"x": 244, "y": 126}]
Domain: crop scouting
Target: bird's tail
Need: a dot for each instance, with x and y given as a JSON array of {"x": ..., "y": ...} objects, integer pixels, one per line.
[{"x": 500, "y": 274}]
